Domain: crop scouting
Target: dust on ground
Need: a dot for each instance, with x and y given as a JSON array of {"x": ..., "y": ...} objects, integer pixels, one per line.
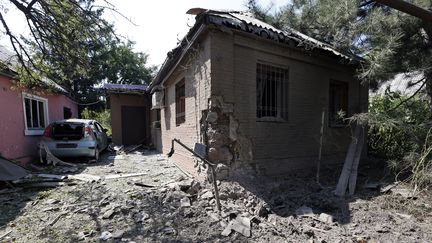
[{"x": 164, "y": 205}]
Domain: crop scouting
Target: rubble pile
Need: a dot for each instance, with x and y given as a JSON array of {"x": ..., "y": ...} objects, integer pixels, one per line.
[{"x": 114, "y": 203}]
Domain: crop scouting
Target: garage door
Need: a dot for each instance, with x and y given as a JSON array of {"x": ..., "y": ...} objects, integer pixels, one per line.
[{"x": 133, "y": 124}]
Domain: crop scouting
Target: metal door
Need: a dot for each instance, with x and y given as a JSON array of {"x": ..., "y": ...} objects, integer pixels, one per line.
[{"x": 133, "y": 120}]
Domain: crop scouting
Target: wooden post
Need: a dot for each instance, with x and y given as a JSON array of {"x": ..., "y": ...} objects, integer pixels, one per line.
[
  {"x": 353, "y": 175},
  {"x": 349, "y": 162},
  {"x": 320, "y": 146}
]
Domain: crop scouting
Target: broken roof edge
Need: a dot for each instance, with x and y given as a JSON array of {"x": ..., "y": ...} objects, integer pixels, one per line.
[
  {"x": 138, "y": 89},
  {"x": 242, "y": 21},
  {"x": 175, "y": 56}
]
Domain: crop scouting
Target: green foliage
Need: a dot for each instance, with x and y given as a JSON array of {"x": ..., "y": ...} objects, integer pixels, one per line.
[
  {"x": 103, "y": 117},
  {"x": 73, "y": 45},
  {"x": 396, "y": 130},
  {"x": 400, "y": 133}
]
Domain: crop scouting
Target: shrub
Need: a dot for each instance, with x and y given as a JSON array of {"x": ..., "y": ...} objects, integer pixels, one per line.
[
  {"x": 103, "y": 117},
  {"x": 399, "y": 132}
]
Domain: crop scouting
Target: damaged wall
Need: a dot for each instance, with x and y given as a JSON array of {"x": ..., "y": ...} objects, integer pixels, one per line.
[
  {"x": 226, "y": 145},
  {"x": 195, "y": 69},
  {"x": 279, "y": 146},
  {"x": 221, "y": 106}
]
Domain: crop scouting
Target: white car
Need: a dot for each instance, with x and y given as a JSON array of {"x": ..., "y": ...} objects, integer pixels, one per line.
[{"x": 75, "y": 138}]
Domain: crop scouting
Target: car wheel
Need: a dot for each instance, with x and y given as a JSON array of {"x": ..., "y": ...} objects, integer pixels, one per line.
[{"x": 96, "y": 155}]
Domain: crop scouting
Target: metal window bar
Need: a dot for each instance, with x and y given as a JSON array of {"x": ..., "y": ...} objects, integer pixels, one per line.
[{"x": 271, "y": 91}]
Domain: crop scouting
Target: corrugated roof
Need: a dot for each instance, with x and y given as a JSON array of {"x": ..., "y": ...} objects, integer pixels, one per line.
[
  {"x": 126, "y": 87},
  {"x": 244, "y": 21}
]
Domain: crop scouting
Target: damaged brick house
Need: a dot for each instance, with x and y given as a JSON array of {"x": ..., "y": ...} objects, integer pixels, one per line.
[{"x": 254, "y": 95}]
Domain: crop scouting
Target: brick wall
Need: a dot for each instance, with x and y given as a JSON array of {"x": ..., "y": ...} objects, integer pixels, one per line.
[
  {"x": 228, "y": 60},
  {"x": 282, "y": 146},
  {"x": 195, "y": 69}
]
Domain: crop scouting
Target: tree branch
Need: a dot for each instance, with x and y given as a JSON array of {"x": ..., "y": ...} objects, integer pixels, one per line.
[{"x": 409, "y": 98}]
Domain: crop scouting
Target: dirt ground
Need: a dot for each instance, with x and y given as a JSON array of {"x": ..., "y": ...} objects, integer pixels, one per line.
[{"x": 164, "y": 205}]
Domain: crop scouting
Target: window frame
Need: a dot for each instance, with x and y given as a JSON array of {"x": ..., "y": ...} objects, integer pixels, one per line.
[
  {"x": 282, "y": 110},
  {"x": 40, "y": 130},
  {"x": 67, "y": 110},
  {"x": 332, "y": 122},
  {"x": 180, "y": 117}
]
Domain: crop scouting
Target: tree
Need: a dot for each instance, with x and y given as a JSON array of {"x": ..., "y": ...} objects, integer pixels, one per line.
[
  {"x": 73, "y": 45},
  {"x": 390, "y": 41}
]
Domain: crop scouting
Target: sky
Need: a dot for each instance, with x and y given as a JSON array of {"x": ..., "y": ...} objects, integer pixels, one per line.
[{"x": 156, "y": 26}]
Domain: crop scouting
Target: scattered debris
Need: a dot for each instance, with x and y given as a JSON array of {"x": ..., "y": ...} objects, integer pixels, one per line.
[
  {"x": 183, "y": 209},
  {"x": 10, "y": 171},
  {"x": 43, "y": 184},
  {"x": 142, "y": 184},
  {"x": 50, "y": 158},
  {"x": 108, "y": 213},
  {"x": 51, "y": 176},
  {"x": 57, "y": 218},
  {"x": 326, "y": 218},
  {"x": 106, "y": 235},
  {"x": 169, "y": 230},
  {"x": 304, "y": 211},
  {"x": 118, "y": 234},
  {"x": 85, "y": 177},
  {"x": 185, "y": 202},
  {"x": 207, "y": 195},
  {"x": 241, "y": 225},
  {"x": 5, "y": 234},
  {"x": 117, "y": 176}
]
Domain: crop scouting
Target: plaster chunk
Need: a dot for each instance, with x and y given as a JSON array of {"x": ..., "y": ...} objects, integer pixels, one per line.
[
  {"x": 212, "y": 117},
  {"x": 234, "y": 125},
  {"x": 222, "y": 172},
  {"x": 220, "y": 154}
]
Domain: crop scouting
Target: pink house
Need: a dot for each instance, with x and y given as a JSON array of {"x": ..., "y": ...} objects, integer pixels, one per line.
[{"x": 25, "y": 114}]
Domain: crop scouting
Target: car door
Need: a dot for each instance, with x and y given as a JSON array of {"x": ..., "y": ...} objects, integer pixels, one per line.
[{"x": 103, "y": 142}]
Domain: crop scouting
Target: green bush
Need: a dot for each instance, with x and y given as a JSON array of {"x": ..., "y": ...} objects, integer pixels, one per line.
[
  {"x": 103, "y": 117},
  {"x": 399, "y": 132}
]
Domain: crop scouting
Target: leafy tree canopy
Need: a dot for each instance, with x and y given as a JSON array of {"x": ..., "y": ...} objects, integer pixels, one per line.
[{"x": 73, "y": 45}]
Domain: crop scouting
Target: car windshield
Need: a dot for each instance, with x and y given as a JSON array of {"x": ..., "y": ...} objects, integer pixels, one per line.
[{"x": 67, "y": 130}]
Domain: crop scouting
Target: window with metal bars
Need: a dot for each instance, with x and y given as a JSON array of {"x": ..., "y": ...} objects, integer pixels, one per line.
[
  {"x": 180, "y": 102},
  {"x": 272, "y": 93}
]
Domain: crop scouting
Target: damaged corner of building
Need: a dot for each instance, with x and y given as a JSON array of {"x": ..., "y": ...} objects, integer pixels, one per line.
[{"x": 226, "y": 145}]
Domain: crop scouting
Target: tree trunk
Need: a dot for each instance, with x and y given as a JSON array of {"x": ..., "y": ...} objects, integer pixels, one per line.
[{"x": 428, "y": 74}]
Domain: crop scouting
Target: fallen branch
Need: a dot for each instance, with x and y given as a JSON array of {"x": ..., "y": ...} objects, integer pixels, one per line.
[
  {"x": 57, "y": 218},
  {"x": 316, "y": 229},
  {"x": 5, "y": 234},
  {"x": 142, "y": 184}
]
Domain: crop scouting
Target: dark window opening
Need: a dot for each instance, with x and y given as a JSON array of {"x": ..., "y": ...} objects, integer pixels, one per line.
[
  {"x": 67, "y": 113},
  {"x": 338, "y": 103},
  {"x": 35, "y": 113},
  {"x": 158, "y": 115},
  {"x": 272, "y": 92},
  {"x": 180, "y": 102}
]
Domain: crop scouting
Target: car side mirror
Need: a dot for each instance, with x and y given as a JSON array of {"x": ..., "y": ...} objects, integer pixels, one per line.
[{"x": 105, "y": 130}]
